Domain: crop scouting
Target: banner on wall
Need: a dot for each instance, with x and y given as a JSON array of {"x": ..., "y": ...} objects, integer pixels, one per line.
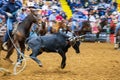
[
  {"x": 118, "y": 6},
  {"x": 118, "y": 1}
]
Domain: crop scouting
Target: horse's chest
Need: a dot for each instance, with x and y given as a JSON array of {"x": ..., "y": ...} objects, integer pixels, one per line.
[{"x": 20, "y": 35}]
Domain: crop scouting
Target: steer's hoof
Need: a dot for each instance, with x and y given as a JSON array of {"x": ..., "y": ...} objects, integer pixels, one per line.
[
  {"x": 63, "y": 66},
  {"x": 78, "y": 52},
  {"x": 40, "y": 65}
]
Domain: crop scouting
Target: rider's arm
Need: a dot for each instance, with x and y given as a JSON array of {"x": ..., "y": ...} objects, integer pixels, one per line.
[
  {"x": 1, "y": 3},
  {"x": 117, "y": 28},
  {"x": 3, "y": 9},
  {"x": 19, "y": 4}
]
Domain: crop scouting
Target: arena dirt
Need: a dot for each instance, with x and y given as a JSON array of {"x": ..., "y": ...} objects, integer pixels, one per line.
[{"x": 97, "y": 61}]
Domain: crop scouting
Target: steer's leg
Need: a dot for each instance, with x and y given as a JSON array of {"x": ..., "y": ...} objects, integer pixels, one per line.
[
  {"x": 62, "y": 53},
  {"x": 76, "y": 46},
  {"x": 34, "y": 55}
]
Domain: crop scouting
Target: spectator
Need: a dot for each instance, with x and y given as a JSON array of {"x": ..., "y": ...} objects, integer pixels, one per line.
[
  {"x": 3, "y": 2},
  {"x": 22, "y": 15},
  {"x": 30, "y": 3}
]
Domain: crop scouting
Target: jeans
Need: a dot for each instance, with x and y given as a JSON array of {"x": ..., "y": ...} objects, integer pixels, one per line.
[
  {"x": 117, "y": 28},
  {"x": 49, "y": 29},
  {"x": 9, "y": 29},
  {"x": 73, "y": 28}
]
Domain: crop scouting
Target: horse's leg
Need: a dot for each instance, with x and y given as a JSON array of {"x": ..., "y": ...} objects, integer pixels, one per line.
[
  {"x": 18, "y": 49},
  {"x": 10, "y": 51},
  {"x": 17, "y": 46},
  {"x": 22, "y": 47},
  {"x": 34, "y": 55},
  {"x": 62, "y": 54}
]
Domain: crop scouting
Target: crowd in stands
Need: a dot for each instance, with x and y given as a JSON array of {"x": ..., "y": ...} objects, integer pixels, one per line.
[
  {"x": 95, "y": 11},
  {"x": 102, "y": 14}
]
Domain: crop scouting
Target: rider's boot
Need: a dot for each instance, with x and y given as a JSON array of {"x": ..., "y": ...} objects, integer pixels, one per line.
[{"x": 115, "y": 46}]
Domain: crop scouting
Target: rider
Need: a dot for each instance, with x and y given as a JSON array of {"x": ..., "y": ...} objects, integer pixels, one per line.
[
  {"x": 10, "y": 11},
  {"x": 2, "y": 2},
  {"x": 116, "y": 31}
]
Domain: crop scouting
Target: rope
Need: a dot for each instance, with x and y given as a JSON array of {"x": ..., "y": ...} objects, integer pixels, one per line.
[
  {"x": 3, "y": 69},
  {"x": 16, "y": 65}
]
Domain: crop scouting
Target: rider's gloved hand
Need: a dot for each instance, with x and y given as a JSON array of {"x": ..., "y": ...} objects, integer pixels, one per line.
[{"x": 9, "y": 14}]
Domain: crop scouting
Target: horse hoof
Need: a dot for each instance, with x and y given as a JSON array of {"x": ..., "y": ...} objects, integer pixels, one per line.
[{"x": 9, "y": 60}]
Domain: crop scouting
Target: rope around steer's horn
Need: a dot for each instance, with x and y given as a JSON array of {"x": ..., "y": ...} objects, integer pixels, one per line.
[
  {"x": 78, "y": 38},
  {"x": 74, "y": 38}
]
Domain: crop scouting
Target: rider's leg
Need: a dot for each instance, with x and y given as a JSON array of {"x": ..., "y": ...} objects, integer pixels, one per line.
[
  {"x": 9, "y": 31},
  {"x": 115, "y": 39},
  {"x": 49, "y": 29},
  {"x": 115, "y": 43}
]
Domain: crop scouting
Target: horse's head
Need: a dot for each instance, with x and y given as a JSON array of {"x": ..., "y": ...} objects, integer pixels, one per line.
[
  {"x": 35, "y": 16},
  {"x": 85, "y": 27}
]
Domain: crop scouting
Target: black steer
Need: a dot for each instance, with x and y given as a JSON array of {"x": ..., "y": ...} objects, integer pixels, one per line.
[{"x": 52, "y": 43}]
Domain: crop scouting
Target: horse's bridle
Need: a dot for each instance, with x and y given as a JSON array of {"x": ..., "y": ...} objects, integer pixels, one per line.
[{"x": 39, "y": 24}]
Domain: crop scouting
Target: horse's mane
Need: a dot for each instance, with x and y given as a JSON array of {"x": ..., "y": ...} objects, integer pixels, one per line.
[{"x": 26, "y": 19}]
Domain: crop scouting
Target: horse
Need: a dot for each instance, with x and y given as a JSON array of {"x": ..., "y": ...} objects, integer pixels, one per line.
[
  {"x": 57, "y": 26},
  {"x": 118, "y": 39},
  {"x": 19, "y": 36},
  {"x": 84, "y": 28},
  {"x": 103, "y": 23},
  {"x": 60, "y": 25}
]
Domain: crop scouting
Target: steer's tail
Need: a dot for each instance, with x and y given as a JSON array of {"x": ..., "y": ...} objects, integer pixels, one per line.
[
  {"x": 26, "y": 43},
  {"x": 27, "y": 40}
]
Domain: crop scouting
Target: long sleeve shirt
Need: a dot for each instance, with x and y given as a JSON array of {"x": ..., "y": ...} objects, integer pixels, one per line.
[{"x": 11, "y": 8}]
